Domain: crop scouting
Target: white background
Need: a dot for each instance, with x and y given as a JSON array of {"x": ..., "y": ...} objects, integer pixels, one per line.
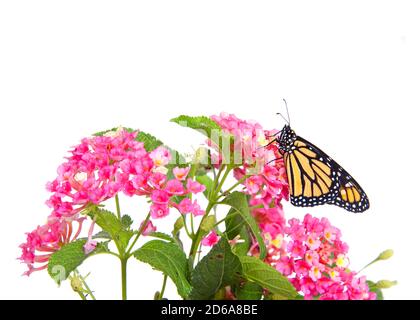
[{"x": 349, "y": 70}]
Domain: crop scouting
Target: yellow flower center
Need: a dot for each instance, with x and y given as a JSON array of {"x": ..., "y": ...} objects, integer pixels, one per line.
[
  {"x": 277, "y": 242},
  {"x": 262, "y": 141},
  {"x": 317, "y": 273},
  {"x": 341, "y": 261}
]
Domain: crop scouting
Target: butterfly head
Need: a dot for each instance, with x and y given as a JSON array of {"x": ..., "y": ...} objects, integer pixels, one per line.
[{"x": 286, "y": 138}]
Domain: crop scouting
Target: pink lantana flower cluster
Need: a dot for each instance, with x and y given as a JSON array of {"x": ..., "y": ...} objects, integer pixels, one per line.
[
  {"x": 98, "y": 169},
  {"x": 262, "y": 172},
  {"x": 46, "y": 239},
  {"x": 316, "y": 262},
  {"x": 310, "y": 253}
]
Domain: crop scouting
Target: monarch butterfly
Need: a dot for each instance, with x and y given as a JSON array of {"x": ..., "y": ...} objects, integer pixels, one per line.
[{"x": 314, "y": 178}]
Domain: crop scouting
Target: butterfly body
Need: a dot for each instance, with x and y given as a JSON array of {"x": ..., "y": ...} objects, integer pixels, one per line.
[{"x": 315, "y": 178}]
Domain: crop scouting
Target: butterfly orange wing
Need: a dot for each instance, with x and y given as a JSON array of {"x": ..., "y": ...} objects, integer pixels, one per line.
[{"x": 315, "y": 179}]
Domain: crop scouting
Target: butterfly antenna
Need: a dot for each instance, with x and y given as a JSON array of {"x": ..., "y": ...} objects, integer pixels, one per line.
[
  {"x": 278, "y": 113},
  {"x": 287, "y": 109},
  {"x": 288, "y": 118}
]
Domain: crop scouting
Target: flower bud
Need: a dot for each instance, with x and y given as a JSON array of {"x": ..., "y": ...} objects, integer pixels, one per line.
[
  {"x": 76, "y": 284},
  {"x": 156, "y": 295},
  {"x": 386, "y": 254},
  {"x": 208, "y": 223},
  {"x": 178, "y": 225},
  {"x": 385, "y": 284}
]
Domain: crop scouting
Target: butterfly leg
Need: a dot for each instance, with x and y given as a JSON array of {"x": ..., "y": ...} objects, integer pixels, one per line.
[
  {"x": 274, "y": 160},
  {"x": 273, "y": 135},
  {"x": 271, "y": 142}
]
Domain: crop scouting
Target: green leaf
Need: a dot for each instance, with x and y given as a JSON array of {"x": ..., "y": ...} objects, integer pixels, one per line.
[
  {"x": 267, "y": 277},
  {"x": 110, "y": 223},
  {"x": 211, "y": 130},
  {"x": 208, "y": 223},
  {"x": 239, "y": 202},
  {"x": 220, "y": 267},
  {"x": 244, "y": 243},
  {"x": 276, "y": 296},
  {"x": 233, "y": 223},
  {"x": 202, "y": 124},
  {"x": 374, "y": 288},
  {"x": 161, "y": 235},
  {"x": 249, "y": 291},
  {"x": 237, "y": 228},
  {"x": 102, "y": 235},
  {"x": 126, "y": 221},
  {"x": 168, "y": 258},
  {"x": 206, "y": 181},
  {"x": 102, "y": 247},
  {"x": 150, "y": 142},
  {"x": 178, "y": 225},
  {"x": 69, "y": 257}
]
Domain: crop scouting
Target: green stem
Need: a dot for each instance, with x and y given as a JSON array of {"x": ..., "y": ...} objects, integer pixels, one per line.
[
  {"x": 240, "y": 181},
  {"x": 199, "y": 252},
  {"x": 142, "y": 228},
  {"x": 162, "y": 291},
  {"x": 117, "y": 204},
  {"x": 193, "y": 170},
  {"x": 194, "y": 245},
  {"x": 189, "y": 234},
  {"x": 212, "y": 202},
  {"x": 82, "y": 296},
  {"x": 216, "y": 181},
  {"x": 222, "y": 167},
  {"x": 124, "y": 278},
  {"x": 111, "y": 253},
  {"x": 125, "y": 256},
  {"x": 368, "y": 265},
  {"x": 224, "y": 219},
  {"x": 120, "y": 251},
  {"x": 90, "y": 293},
  {"x": 196, "y": 240},
  {"x": 192, "y": 223},
  {"x": 219, "y": 187},
  {"x": 214, "y": 173}
]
